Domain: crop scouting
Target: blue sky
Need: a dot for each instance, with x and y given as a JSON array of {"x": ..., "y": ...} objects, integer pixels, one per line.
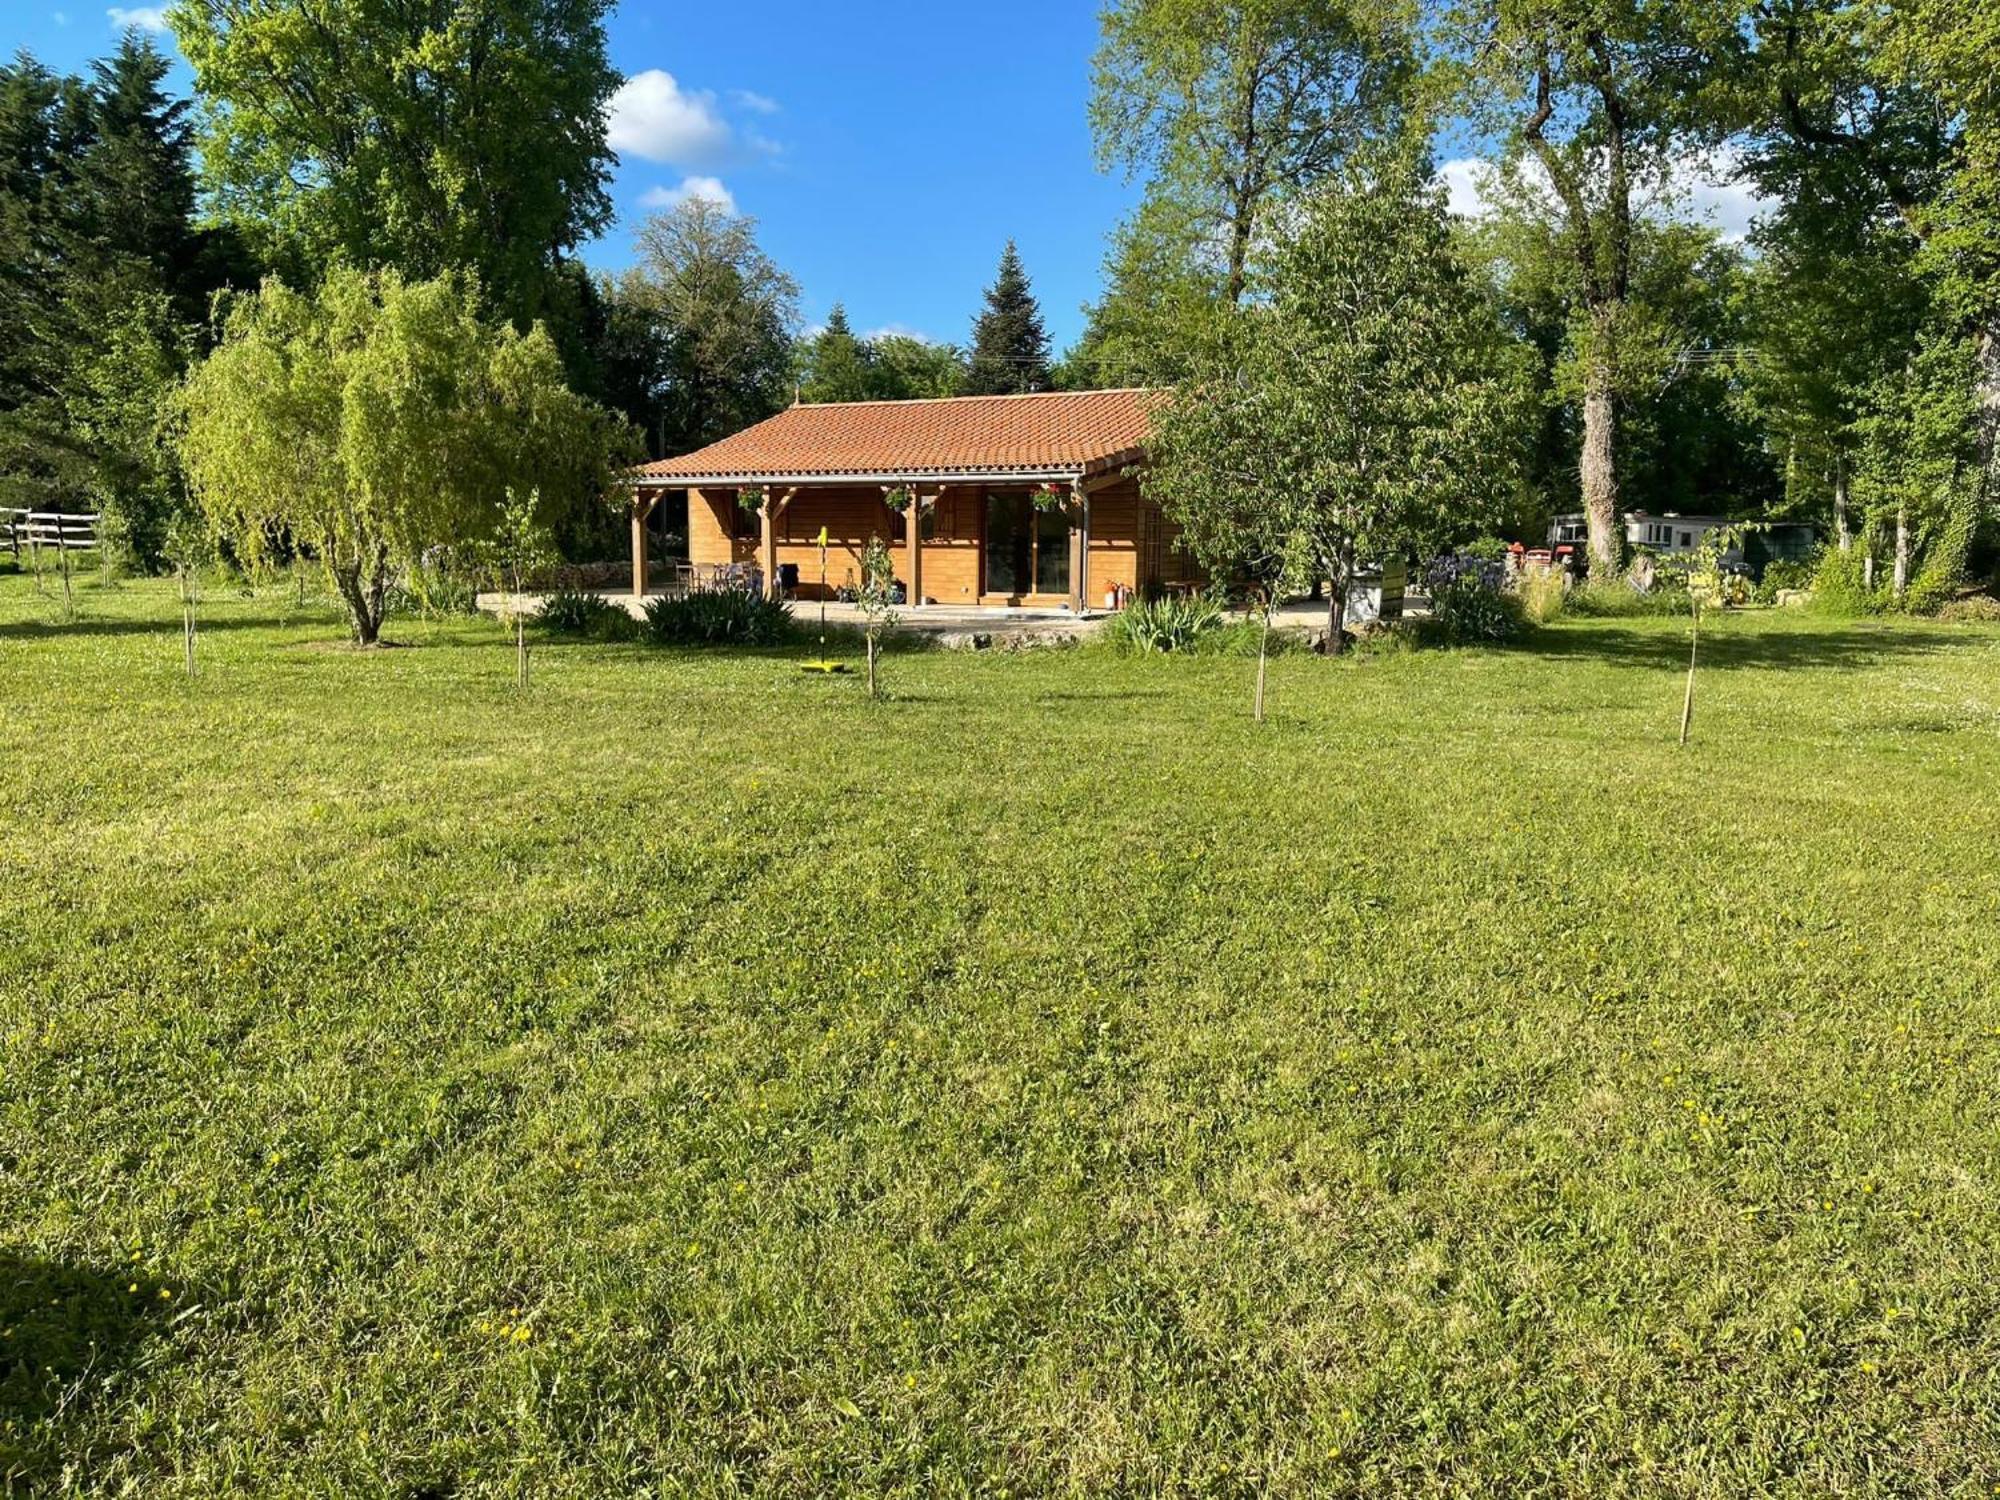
[{"x": 887, "y": 149}]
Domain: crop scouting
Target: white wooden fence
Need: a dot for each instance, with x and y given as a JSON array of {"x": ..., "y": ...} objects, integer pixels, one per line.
[{"x": 27, "y": 532}]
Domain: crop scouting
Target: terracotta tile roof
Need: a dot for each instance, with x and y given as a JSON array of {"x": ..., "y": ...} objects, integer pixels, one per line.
[{"x": 1059, "y": 433}]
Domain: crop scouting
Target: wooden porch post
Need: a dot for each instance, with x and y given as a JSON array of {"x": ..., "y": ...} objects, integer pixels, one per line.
[
  {"x": 642, "y": 507},
  {"x": 767, "y": 514},
  {"x": 913, "y": 537},
  {"x": 1079, "y": 549}
]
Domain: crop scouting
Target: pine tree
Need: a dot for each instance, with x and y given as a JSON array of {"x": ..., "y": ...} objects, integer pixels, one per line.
[
  {"x": 1010, "y": 348},
  {"x": 44, "y": 131},
  {"x": 135, "y": 182},
  {"x": 105, "y": 279}
]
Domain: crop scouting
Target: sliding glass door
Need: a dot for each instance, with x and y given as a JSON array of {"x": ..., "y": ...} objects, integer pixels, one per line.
[{"x": 1027, "y": 550}]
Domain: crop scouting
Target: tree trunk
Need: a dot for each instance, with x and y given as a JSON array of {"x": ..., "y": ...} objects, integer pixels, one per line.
[
  {"x": 1263, "y": 654},
  {"x": 1900, "y": 579},
  {"x": 364, "y": 597},
  {"x": 1600, "y": 465},
  {"x": 872, "y": 693},
  {"x": 1694, "y": 648},
  {"x": 1987, "y": 388},
  {"x": 378, "y": 594},
  {"x": 1843, "y": 537},
  {"x": 1868, "y": 566},
  {"x": 1336, "y": 600},
  {"x": 187, "y": 618}
]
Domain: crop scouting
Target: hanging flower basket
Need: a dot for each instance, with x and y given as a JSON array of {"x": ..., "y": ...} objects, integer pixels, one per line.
[
  {"x": 1050, "y": 497},
  {"x": 751, "y": 498},
  {"x": 899, "y": 499}
]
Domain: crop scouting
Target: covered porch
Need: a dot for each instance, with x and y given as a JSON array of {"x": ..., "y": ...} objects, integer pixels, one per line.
[
  {"x": 1004, "y": 541},
  {"x": 1005, "y": 502}
]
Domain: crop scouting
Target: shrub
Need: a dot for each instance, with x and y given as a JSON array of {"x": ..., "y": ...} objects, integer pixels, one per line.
[
  {"x": 1167, "y": 624},
  {"x": 1782, "y": 576},
  {"x": 585, "y": 617},
  {"x": 723, "y": 617},
  {"x": 1469, "y": 603},
  {"x": 1837, "y": 586}
]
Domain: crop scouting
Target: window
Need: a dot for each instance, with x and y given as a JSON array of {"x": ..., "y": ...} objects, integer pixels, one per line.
[
  {"x": 742, "y": 523},
  {"x": 1687, "y": 538}
]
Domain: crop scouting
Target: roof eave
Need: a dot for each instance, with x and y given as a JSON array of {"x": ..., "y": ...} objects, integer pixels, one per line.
[{"x": 1047, "y": 475}]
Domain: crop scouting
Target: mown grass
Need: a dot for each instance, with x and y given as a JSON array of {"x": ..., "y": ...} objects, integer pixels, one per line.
[{"x": 689, "y": 1078}]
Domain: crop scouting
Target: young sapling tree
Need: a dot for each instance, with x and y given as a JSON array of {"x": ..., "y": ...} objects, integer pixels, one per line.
[
  {"x": 877, "y": 599},
  {"x": 522, "y": 543},
  {"x": 190, "y": 549},
  {"x": 1707, "y": 586}
]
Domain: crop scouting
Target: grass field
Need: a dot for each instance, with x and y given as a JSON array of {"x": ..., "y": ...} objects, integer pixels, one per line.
[{"x": 687, "y": 1077}]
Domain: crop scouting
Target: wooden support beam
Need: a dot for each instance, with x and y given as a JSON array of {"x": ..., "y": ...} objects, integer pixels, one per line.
[
  {"x": 642, "y": 507},
  {"x": 1079, "y": 550},
  {"x": 914, "y": 538},
  {"x": 767, "y": 516}
]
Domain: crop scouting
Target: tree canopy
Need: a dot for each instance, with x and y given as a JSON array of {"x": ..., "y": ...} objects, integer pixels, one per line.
[
  {"x": 422, "y": 137},
  {"x": 714, "y": 314},
  {"x": 376, "y": 419},
  {"x": 1359, "y": 407}
]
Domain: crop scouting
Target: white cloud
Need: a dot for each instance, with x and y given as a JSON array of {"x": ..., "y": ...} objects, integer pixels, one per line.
[
  {"x": 899, "y": 331},
  {"x": 1466, "y": 186},
  {"x": 756, "y": 103},
  {"x": 1708, "y": 191},
  {"x": 1698, "y": 187},
  {"x": 709, "y": 189},
  {"x": 146, "y": 18},
  {"x": 59, "y": 17},
  {"x": 653, "y": 117}
]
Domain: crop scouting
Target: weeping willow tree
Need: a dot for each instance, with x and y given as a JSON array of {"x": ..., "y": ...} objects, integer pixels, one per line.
[{"x": 379, "y": 419}]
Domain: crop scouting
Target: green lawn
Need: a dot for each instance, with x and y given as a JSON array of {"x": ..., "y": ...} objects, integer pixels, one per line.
[{"x": 690, "y": 1078}]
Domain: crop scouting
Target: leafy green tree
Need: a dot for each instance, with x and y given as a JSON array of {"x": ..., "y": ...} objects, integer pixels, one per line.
[
  {"x": 1952, "y": 47},
  {"x": 1231, "y": 107},
  {"x": 1919, "y": 473},
  {"x": 1830, "y": 312},
  {"x": 1876, "y": 125},
  {"x": 834, "y": 365},
  {"x": 378, "y": 419},
  {"x": 1163, "y": 292},
  {"x": 910, "y": 368},
  {"x": 722, "y": 313},
  {"x": 1010, "y": 348},
  {"x": 422, "y": 137},
  {"x": 1592, "y": 103},
  {"x": 1359, "y": 408}
]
